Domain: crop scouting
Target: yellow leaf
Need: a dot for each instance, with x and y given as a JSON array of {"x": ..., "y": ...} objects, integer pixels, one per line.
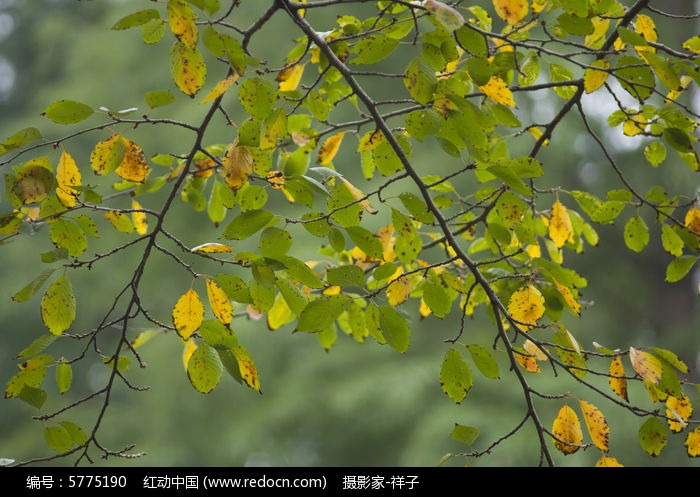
[
  {"x": 134, "y": 166},
  {"x": 370, "y": 140},
  {"x": 220, "y": 302},
  {"x": 634, "y": 125},
  {"x": 496, "y": 89},
  {"x": 527, "y": 361},
  {"x": 607, "y": 462},
  {"x": 678, "y": 408},
  {"x": 511, "y": 11},
  {"x": 423, "y": 309},
  {"x": 330, "y": 148},
  {"x": 597, "y": 37},
  {"x": 246, "y": 366},
  {"x": 181, "y": 19},
  {"x": 67, "y": 175},
  {"x": 692, "y": 442},
  {"x": 534, "y": 351},
  {"x": 674, "y": 94},
  {"x": 537, "y": 133},
  {"x": 276, "y": 180},
  {"x": 567, "y": 430},
  {"x": 290, "y": 77},
  {"x": 212, "y": 248},
  {"x": 220, "y": 88},
  {"x": 594, "y": 78},
  {"x": 617, "y": 380},
  {"x": 359, "y": 196},
  {"x": 526, "y": 306},
  {"x": 332, "y": 290},
  {"x": 398, "y": 291},
  {"x": 560, "y": 227},
  {"x": 692, "y": 221},
  {"x": 190, "y": 347},
  {"x": 387, "y": 239},
  {"x": 188, "y": 314},
  {"x": 646, "y": 365},
  {"x": 597, "y": 426},
  {"x": 279, "y": 314},
  {"x": 139, "y": 218},
  {"x": 568, "y": 297},
  {"x": 645, "y": 26},
  {"x": 237, "y": 165}
]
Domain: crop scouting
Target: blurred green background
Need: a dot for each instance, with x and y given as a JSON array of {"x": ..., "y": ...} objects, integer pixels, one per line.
[{"x": 359, "y": 404}]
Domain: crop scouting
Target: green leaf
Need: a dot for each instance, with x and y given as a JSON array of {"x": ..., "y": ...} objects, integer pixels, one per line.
[
  {"x": 655, "y": 153},
  {"x": 296, "y": 300},
  {"x": 373, "y": 48},
  {"x": 366, "y": 241},
  {"x": 653, "y": 436},
  {"x": 345, "y": 210},
  {"x": 671, "y": 358},
  {"x": 58, "y": 306},
  {"x": 423, "y": 123},
  {"x": 436, "y": 297},
  {"x": 484, "y": 361},
  {"x": 455, "y": 376},
  {"x": 37, "y": 346},
  {"x": 274, "y": 242},
  {"x": 569, "y": 352},
  {"x": 68, "y": 112},
  {"x": 420, "y": 81},
  {"x": 417, "y": 207},
  {"x": 465, "y": 434},
  {"x": 158, "y": 98},
  {"x": 35, "y": 397},
  {"x": 234, "y": 287},
  {"x": 679, "y": 267},
  {"x": 394, "y": 328},
  {"x": 204, "y": 368},
  {"x": 20, "y": 139},
  {"x": 64, "y": 376},
  {"x": 635, "y": 77},
  {"x": 28, "y": 291},
  {"x": 636, "y": 234},
  {"x": 301, "y": 272},
  {"x": 216, "y": 334},
  {"x": 136, "y": 19},
  {"x": 319, "y": 314},
  {"x": 258, "y": 97},
  {"x": 153, "y": 31},
  {"x": 76, "y": 433},
  {"x": 66, "y": 234},
  {"x": 58, "y": 438},
  {"x": 247, "y": 224},
  {"x": 678, "y": 139},
  {"x": 472, "y": 41},
  {"x": 349, "y": 275}
]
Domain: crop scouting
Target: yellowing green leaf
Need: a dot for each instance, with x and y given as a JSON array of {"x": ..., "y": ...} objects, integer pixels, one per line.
[
  {"x": 237, "y": 165},
  {"x": 597, "y": 426},
  {"x": 646, "y": 365},
  {"x": 511, "y": 11},
  {"x": 134, "y": 165},
  {"x": 274, "y": 129},
  {"x": 58, "y": 438},
  {"x": 595, "y": 76},
  {"x": 120, "y": 221},
  {"x": 187, "y": 68},
  {"x": 139, "y": 218},
  {"x": 370, "y": 140},
  {"x": 398, "y": 291},
  {"x": 567, "y": 430},
  {"x": 58, "y": 306},
  {"x": 497, "y": 90},
  {"x": 617, "y": 380},
  {"x": 64, "y": 376},
  {"x": 359, "y": 196},
  {"x": 679, "y": 411},
  {"x": 181, "y": 18},
  {"x": 526, "y": 306},
  {"x": 653, "y": 436},
  {"x": 204, "y": 368},
  {"x": 692, "y": 442},
  {"x": 220, "y": 302},
  {"x": 560, "y": 227},
  {"x": 68, "y": 176},
  {"x": 220, "y": 88},
  {"x": 330, "y": 148},
  {"x": 248, "y": 371},
  {"x": 569, "y": 298},
  {"x": 212, "y": 248},
  {"x": 188, "y": 314},
  {"x": 33, "y": 183}
]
